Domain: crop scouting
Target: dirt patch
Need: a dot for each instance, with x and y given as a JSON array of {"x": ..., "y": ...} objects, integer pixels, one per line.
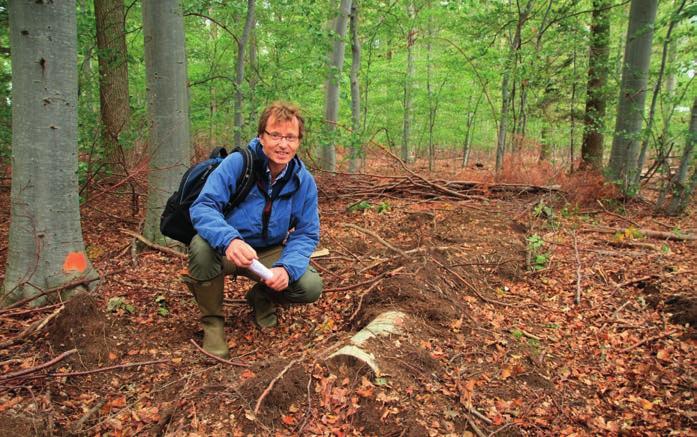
[
  {"x": 290, "y": 389},
  {"x": 14, "y": 425},
  {"x": 81, "y": 325}
]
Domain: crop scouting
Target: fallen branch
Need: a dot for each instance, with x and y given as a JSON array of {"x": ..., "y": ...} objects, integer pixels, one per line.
[
  {"x": 472, "y": 287},
  {"x": 649, "y": 339},
  {"x": 106, "y": 369},
  {"x": 370, "y": 281},
  {"x": 164, "y": 249},
  {"x": 577, "y": 299},
  {"x": 221, "y": 360},
  {"x": 31, "y": 329},
  {"x": 272, "y": 383},
  {"x": 647, "y": 232},
  {"x": 73, "y": 284},
  {"x": 77, "y": 426},
  {"x": 53, "y": 362},
  {"x": 376, "y": 236}
]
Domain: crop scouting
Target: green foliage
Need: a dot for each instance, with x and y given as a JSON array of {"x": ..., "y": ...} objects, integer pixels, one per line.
[
  {"x": 161, "y": 302},
  {"x": 363, "y": 205},
  {"x": 538, "y": 258},
  {"x": 383, "y": 207},
  {"x": 119, "y": 305}
]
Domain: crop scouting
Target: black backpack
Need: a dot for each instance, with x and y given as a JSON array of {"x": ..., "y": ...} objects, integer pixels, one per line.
[{"x": 175, "y": 221}]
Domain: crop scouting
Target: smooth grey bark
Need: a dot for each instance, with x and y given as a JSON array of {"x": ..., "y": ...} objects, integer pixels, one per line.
[
  {"x": 511, "y": 64},
  {"x": 239, "y": 71},
  {"x": 408, "y": 86},
  {"x": 113, "y": 71},
  {"x": 469, "y": 133},
  {"x": 624, "y": 156},
  {"x": 682, "y": 188},
  {"x": 432, "y": 106},
  {"x": 331, "y": 103},
  {"x": 356, "y": 149},
  {"x": 596, "y": 97},
  {"x": 45, "y": 248},
  {"x": 657, "y": 88},
  {"x": 169, "y": 144},
  {"x": 253, "y": 79},
  {"x": 212, "y": 90}
]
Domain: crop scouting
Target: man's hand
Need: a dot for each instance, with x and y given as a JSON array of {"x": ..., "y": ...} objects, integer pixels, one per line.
[
  {"x": 240, "y": 253},
  {"x": 279, "y": 280}
]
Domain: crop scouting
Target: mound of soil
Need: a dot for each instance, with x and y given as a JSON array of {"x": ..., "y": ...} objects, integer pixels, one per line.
[{"x": 81, "y": 325}]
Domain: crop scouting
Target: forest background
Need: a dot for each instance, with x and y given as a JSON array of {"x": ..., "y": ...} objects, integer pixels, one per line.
[{"x": 546, "y": 109}]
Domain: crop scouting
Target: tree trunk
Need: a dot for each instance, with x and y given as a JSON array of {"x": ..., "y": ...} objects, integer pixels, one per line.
[
  {"x": 429, "y": 90},
  {"x": 469, "y": 133},
  {"x": 682, "y": 188},
  {"x": 239, "y": 72},
  {"x": 45, "y": 248},
  {"x": 356, "y": 149},
  {"x": 113, "y": 72},
  {"x": 253, "y": 79},
  {"x": 624, "y": 156},
  {"x": 169, "y": 145},
  {"x": 331, "y": 105},
  {"x": 654, "y": 98},
  {"x": 213, "y": 107},
  {"x": 511, "y": 64},
  {"x": 596, "y": 99},
  {"x": 408, "y": 86}
]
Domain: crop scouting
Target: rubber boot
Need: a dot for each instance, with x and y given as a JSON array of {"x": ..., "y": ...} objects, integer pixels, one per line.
[
  {"x": 209, "y": 297},
  {"x": 263, "y": 307}
]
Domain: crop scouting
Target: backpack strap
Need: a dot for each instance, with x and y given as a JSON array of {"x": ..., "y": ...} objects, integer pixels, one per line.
[{"x": 245, "y": 181}]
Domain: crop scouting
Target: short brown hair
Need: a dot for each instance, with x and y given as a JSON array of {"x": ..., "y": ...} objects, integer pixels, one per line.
[{"x": 281, "y": 111}]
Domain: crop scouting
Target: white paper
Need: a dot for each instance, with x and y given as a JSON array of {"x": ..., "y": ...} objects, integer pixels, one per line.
[{"x": 261, "y": 270}]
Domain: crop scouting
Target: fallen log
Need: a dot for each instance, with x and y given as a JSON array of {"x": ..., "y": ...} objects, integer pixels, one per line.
[
  {"x": 661, "y": 235},
  {"x": 358, "y": 349}
]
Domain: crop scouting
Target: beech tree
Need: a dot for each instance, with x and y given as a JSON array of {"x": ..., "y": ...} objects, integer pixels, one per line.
[
  {"x": 624, "y": 155},
  {"x": 113, "y": 71},
  {"x": 169, "y": 145},
  {"x": 239, "y": 71},
  {"x": 592, "y": 146},
  {"x": 331, "y": 105},
  {"x": 356, "y": 152},
  {"x": 46, "y": 248}
]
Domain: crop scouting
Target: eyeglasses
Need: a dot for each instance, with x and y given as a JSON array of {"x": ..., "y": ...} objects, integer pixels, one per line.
[{"x": 290, "y": 139}]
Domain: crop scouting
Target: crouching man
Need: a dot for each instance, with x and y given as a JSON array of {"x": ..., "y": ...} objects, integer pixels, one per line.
[{"x": 277, "y": 223}]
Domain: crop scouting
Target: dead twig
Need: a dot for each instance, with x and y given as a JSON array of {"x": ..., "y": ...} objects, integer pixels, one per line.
[
  {"x": 164, "y": 249},
  {"x": 73, "y": 284},
  {"x": 617, "y": 215},
  {"x": 106, "y": 369},
  {"x": 220, "y": 360},
  {"x": 472, "y": 287},
  {"x": 370, "y": 281},
  {"x": 647, "y": 232},
  {"x": 23, "y": 372},
  {"x": 31, "y": 329},
  {"x": 474, "y": 426},
  {"x": 309, "y": 406},
  {"x": 376, "y": 236},
  {"x": 272, "y": 383},
  {"x": 360, "y": 301},
  {"x": 75, "y": 428},
  {"x": 577, "y": 299},
  {"x": 649, "y": 339}
]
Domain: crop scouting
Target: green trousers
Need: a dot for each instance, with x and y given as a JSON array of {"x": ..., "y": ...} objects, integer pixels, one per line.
[{"x": 205, "y": 264}]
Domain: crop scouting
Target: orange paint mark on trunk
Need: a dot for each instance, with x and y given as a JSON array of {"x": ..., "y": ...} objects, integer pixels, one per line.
[{"x": 75, "y": 262}]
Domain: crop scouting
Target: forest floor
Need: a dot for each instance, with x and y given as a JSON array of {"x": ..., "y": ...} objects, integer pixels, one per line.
[{"x": 493, "y": 341}]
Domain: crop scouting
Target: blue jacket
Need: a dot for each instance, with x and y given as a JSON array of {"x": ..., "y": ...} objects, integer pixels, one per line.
[{"x": 293, "y": 204}]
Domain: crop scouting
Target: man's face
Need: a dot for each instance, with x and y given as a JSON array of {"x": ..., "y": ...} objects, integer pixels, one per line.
[{"x": 280, "y": 141}]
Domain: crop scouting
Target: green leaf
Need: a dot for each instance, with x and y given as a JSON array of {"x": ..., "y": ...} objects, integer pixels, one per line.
[{"x": 163, "y": 311}]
